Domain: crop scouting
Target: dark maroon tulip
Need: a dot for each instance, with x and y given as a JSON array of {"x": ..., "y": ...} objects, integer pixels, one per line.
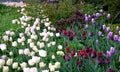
[
  {"x": 83, "y": 37},
  {"x": 87, "y": 49},
  {"x": 72, "y": 20},
  {"x": 93, "y": 54},
  {"x": 73, "y": 53},
  {"x": 70, "y": 37},
  {"x": 67, "y": 57},
  {"x": 77, "y": 13},
  {"x": 86, "y": 56},
  {"x": 111, "y": 70},
  {"x": 107, "y": 61},
  {"x": 99, "y": 60},
  {"x": 68, "y": 33},
  {"x": 79, "y": 63}
]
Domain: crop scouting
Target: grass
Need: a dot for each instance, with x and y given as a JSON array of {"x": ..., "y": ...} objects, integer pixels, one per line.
[{"x": 7, "y": 14}]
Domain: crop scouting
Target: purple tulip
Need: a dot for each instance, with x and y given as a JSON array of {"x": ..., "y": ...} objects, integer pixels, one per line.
[
  {"x": 92, "y": 20},
  {"x": 115, "y": 37},
  {"x": 104, "y": 27},
  {"x": 96, "y": 41},
  {"x": 90, "y": 33},
  {"x": 119, "y": 39},
  {"x": 108, "y": 29},
  {"x": 79, "y": 63},
  {"x": 119, "y": 32},
  {"x": 108, "y": 16},
  {"x": 86, "y": 26},
  {"x": 89, "y": 17},
  {"x": 112, "y": 50},
  {"x": 67, "y": 57},
  {"x": 117, "y": 28},
  {"x": 119, "y": 59},
  {"x": 108, "y": 54},
  {"x": 109, "y": 36},
  {"x": 101, "y": 11},
  {"x": 99, "y": 33},
  {"x": 97, "y": 15},
  {"x": 86, "y": 18}
]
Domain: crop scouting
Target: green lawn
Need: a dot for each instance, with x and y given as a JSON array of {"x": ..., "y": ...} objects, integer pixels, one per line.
[{"x": 7, "y": 14}]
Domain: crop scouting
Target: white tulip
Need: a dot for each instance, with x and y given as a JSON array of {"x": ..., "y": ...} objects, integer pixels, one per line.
[
  {"x": 31, "y": 62},
  {"x": 60, "y": 47},
  {"x": 7, "y": 32},
  {"x": 15, "y": 65},
  {"x": 42, "y": 53},
  {"x": 23, "y": 65},
  {"x": 36, "y": 59},
  {"x": 42, "y": 64},
  {"x": 14, "y": 44},
  {"x": 57, "y": 65},
  {"x": 2, "y": 62},
  {"x": 60, "y": 53},
  {"x": 3, "y": 47},
  {"x": 34, "y": 69},
  {"x": 21, "y": 51},
  {"x": 42, "y": 45},
  {"x": 53, "y": 56},
  {"x": 51, "y": 34},
  {"x": 57, "y": 34},
  {"x": 5, "y": 69},
  {"x": 29, "y": 40},
  {"x": 9, "y": 62},
  {"x": 10, "y": 53},
  {"x": 53, "y": 43}
]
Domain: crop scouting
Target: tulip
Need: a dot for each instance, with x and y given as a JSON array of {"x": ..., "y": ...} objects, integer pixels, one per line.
[
  {"x": 109, "y": 35},
  {"x": 90, "y": 33},
  {"x": 107, "y": 61},
  {"x": 111, "y": 70},
  {"x": 99, "y": 54},
  {"x": 108, "y": 54},
  {"x": 67, "y": 57},
  {"x": 93, "y": 54},
  {"x": 92, "y": 20},
  {"x": 115, "y": 37},
  {"x": 117, "y": 28},
  {"x": 96, "y": 41},
  {"x": 112, "y": 50},
  {"x": 108, "y": 16},
  {"x": 99, "y": 33},
  {"x": 79, "y": 63},
  {"x": 4, "y": 57},
  {"x": 67, "y": 49},
  {"x": 104, "y": 27},
  {"x": 83, "y": 37},
  {"x": 99, "y": 60},
  {"x": 42, "y": 64},
  {"x": 86, "y": 26},
  {"x": 108, "y": 29},
  {"x": 5, "y": 69}
]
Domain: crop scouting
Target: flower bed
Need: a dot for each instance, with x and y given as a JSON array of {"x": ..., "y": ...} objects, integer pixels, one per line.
[{"x": 80, "y": 44}]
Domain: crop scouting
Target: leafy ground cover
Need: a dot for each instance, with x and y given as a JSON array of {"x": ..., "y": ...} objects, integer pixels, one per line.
[{"x": 7, "y": 14}]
